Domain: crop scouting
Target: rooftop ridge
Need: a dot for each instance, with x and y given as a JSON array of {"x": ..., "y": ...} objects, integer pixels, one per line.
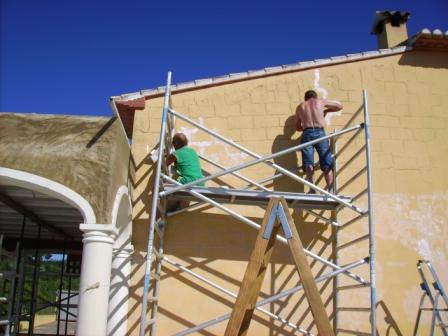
[{"x": 265, "y": 71}]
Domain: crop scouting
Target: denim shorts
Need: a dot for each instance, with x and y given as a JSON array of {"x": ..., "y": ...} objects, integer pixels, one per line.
[{"x": 322, "y": 148}]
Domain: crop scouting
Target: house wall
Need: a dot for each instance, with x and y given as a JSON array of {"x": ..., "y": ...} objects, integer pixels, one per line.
[
  {"x": 90, "y": 155},
  {"x": 407, "y": 107}
]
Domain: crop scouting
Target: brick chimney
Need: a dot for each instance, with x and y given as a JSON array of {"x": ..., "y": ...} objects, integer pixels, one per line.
[{"x": 390, "y": 28}]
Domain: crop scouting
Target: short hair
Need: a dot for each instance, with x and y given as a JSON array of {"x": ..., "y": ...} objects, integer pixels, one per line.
[
  {"x": 179, "y": 140},
  {"x": 310, "y": 94}
]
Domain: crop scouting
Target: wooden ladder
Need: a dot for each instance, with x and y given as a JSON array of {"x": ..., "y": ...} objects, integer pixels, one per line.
[{"x": 277, "y": 215}]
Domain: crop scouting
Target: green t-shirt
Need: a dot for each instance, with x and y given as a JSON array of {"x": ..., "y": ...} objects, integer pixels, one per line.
[{"x": 188, "y": 166}]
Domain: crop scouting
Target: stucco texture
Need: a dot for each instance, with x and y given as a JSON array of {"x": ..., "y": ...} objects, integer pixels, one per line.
[
  {"x": 89, "y": 155},
  {"x": 407, "y": 107}
]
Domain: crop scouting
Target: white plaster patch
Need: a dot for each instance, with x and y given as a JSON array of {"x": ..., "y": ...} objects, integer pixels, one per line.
[
  {"x": 203, "y": 144},
  {"x": 317, "y": 87},
  {"x": 415, "y": 219},
  {"x": 154, "y": 155},
  {"x": 424, "y": 249},
  {"x": 417, "y": 222},
  {"x": 189, "y": 132},
  {"x": 232, "y": 157},
  {"x": 324, "y": 94},
  {"x": 397, "y": 263}
]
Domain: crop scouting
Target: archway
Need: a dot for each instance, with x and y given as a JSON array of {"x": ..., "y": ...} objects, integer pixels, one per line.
[
  {"x": 39, "y": 223},
  {"x": 52, "y": 188}
]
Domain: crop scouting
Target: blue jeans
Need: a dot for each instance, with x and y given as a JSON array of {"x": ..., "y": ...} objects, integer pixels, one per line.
[{"x": 322, "y": 148}]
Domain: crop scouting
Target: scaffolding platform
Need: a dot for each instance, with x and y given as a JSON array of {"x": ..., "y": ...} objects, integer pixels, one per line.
[{"x": 257, "y": 197}]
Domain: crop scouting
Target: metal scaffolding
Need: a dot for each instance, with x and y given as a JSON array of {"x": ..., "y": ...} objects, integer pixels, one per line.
[
  {"x": 433, "y": 291},
  {"x": 351, "y": 209},
  {"x": 20, "y": 272}
]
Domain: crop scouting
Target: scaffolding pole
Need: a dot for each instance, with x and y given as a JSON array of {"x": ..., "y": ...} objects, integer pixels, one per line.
[
  {"x": 159, "y": 192},
  {"x": 370, "y": 217},
  {"x": 155, "y": 202}
]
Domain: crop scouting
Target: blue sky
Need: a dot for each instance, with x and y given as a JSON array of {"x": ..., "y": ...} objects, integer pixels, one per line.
[{"x": 69, "y": 57}]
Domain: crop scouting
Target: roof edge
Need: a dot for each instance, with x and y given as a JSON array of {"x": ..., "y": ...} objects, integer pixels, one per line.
[
  {"x": 53, "y": 115},
  {"x": 269, "y": 71}
]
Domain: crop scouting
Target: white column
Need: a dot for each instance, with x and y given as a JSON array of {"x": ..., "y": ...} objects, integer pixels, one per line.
[
  {"x": 119, "y": 292},
  {"x": 95, "y": 279}
]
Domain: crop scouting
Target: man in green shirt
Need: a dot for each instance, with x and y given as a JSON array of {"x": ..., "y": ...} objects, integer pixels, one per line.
[
  {"x": 186, "y": 161},
  {"x": 187, "y": 164}
]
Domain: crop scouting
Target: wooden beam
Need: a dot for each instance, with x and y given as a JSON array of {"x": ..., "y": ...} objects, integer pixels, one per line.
[
  {"x": 309, "y": 284},
  {"x": 253, "y": 278},
  {"x": 30, "y": 214}
]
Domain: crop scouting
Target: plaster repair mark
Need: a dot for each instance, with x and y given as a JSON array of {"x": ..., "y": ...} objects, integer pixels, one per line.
[
  {"x": 421, "y": 225},
  {"x": 324, "y": 94},
  {"x": 424, "y": 249},
  {"x": 231, "y": 158},
  {"x": 317, "y": 87}
]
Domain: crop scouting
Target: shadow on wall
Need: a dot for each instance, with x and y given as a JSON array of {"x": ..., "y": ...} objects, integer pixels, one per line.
[
  {"x": 207, "y": 238},
  {"x": 103, "y": 130},
  {"x": 288, "y": 161},
  {"x": 294, "y": 307},
  {"x": 383, "y": 315},
  {"x": 383, "y": 312},
  {"x": 197, "y": 240},
  {"x": 217, "y": 236},
  {"x": 140, "y": 221},
  {"x": 425, "y": 59},
  {"x": 310, "y": 229}
]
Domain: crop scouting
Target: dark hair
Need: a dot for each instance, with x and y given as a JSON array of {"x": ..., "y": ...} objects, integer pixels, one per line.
[
  {"x": 179, "y": 140},
  {"x": 310, "y": 94}
]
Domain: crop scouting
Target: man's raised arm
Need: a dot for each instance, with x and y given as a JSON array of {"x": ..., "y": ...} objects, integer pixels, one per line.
[{"x": 332, "y": 106}]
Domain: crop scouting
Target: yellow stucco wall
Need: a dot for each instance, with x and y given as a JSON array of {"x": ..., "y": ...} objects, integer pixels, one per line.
[{"x": 407, "y": 106}]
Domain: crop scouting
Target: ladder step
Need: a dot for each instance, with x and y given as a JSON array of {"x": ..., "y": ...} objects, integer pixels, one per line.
[
  {"x": 155, "y": 276},
  {"x": 153, "y": 298},
  {"x": 151, "y": 321},
  {"x": 4, "y": 322},
  {"x": 437, "y": 309}
]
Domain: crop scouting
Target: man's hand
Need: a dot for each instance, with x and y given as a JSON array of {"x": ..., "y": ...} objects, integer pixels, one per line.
[{"x": 170, "y": 159}]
